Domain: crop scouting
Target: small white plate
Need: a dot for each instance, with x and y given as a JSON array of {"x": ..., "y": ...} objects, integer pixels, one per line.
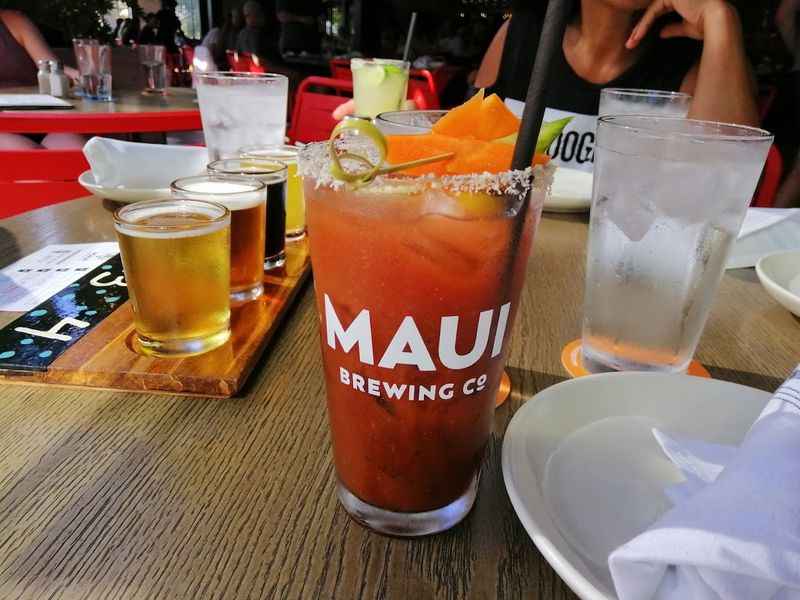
[
  {"x": 571, "y": 191},
  {"x": 584, "y": 472},
  {"x": 121, "y": 194},
  {"x": 780, "y": 275}
]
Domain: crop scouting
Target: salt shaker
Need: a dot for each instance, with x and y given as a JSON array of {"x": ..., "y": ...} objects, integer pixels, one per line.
[
  {"x": 59, "y": 84},
  {"x": 43, "y": 76}
]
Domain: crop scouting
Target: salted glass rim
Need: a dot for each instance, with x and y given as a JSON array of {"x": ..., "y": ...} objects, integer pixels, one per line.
[
  {"x": 641, "y": 92},
  {"x": 396, "y": 62},
  {"x": 680, "y": 128},
  {"x": 121, "y": 220},
  {"x": 233, "y": 75},
  {"x": 314, "y": 163}
]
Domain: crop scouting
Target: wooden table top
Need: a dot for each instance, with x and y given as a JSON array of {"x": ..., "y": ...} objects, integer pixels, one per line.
[
  {"x": 121, "y": 495},
  {"x": 131, "y": 110}
]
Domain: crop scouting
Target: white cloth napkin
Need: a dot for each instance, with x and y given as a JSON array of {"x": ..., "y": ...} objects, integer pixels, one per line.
[
  {"x": 734, "y": 532},
  {"x": 116, "y": 163},
  {"x": 764, "y": 231}
]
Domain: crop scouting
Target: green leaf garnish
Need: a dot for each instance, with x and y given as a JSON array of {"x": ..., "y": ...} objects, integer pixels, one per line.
[{"x": 549, "y": 132}]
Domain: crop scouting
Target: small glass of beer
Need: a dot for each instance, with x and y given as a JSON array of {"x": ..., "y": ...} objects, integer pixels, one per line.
[
  {"x": 246, "y": 199},
  {"x": 176, "y": 258},
  {"x": 271, "y": 173},
  {"x": 295, "y": 200}
]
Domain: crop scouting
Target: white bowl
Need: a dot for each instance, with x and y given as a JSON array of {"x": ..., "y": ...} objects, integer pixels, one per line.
[
  {"x": 585, "y": 474},
  {"x": 571, "y": 191},
  {"x": 779, "y": 273},
  {"x": 121, "y": 194}
]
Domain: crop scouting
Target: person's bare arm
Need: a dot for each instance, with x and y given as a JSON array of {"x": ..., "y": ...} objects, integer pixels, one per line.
[
  {"x": 721, "y": 84},
  {"x": 490, "y": 65},
  {"x": 28, "y": 36}
]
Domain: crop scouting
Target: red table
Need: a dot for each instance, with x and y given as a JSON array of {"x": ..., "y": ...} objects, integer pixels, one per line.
[{"x": 130, "y": 112}]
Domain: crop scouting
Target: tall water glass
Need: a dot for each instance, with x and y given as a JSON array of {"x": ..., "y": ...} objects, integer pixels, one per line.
[
  {"x": 154, "y": 63},
  {"x": 94, "y": 66},
  {"x": 668, "y": 200},
  {"x": 241, "y": 109},
  {"x": 658, "y": 103}
]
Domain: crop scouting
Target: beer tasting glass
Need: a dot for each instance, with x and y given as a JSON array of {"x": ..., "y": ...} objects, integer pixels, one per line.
[
  {"x": 176, "y": 258},
  {"x": 241, "y": 109},
  {"x": 417, "y": 283},
  {"x": 246, "y": 201},
  {"x": 154, "y": 63},
  {"x": 272, "y": 174},
  {"x": 657, "y": 103},
  {"x": 379, "y": 85},
  {"x": 295, "y": 201},
  {"x": 668, "y": 201}
]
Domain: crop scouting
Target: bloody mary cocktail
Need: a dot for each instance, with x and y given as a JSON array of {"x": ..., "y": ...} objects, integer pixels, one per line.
[{"x": 417, "y": 282}]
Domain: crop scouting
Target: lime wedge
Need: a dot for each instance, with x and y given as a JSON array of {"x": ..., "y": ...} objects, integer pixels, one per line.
[
  {"x": 373, "y": 75},
  {"x": 549, "y": 132}
]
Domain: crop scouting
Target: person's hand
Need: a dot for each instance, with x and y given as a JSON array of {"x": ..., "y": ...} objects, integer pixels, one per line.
[
  {"x": 698, "y": 16},
  {"x": 73, "y": 74},
  {"x": 341, "y": 111}
]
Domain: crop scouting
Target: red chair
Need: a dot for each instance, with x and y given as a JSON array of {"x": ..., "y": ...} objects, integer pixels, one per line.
[
  {"x": 420, "y": 92},
  {"x": 770, "y": 180},
  {"x": 244, "y": 62},
  {"x": 340, "y": 68},
  {"x": 312, "y": 119},
  {"x": 34, "y": 178}
]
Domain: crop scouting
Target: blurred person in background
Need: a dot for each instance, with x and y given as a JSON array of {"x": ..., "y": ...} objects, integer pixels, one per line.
[
  {"x": 131, "y": 30},
  {"x": 251, "y": 37},
  {"x": 786, "y": 19},
  {"x": 169, "y": 25},
  {"x": 21, "y": 45},
  {"x": 298, "y": 20},
  {"x": 149, "y": 33},
  {"x": 220, "y": 39},
  {"x": 693, "y": 46}
]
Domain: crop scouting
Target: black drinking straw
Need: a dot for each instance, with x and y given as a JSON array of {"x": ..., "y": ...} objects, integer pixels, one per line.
[{"x": 555, "y": 22}]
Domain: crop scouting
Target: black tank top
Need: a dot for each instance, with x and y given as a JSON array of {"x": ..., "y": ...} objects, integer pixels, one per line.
[{"x": 662, "y": 66}]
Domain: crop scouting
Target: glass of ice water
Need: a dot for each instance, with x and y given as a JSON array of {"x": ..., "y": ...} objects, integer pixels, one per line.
[
  {"x": 669, "y": 197},
  {"x": 94, "y": 65},
  {"x": 241, "y": 109},
  {"x": 154, "y": 63},
  {"x": 624, "y": 101}
]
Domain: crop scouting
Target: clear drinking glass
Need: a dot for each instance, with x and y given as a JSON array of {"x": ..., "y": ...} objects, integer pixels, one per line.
[
  {"x": 154, "y": 63},
  {"x": 669, "y": 197},
  {"x": 379, "y": 85},
  {"x": 272, "y": 173},
  {"x": 295, "y": 200},
  {"x": 241, "y": 109},
  {"x": 94, "y": 66},
  {"x": 624, "y": 101},
  {"x": 408, "y": 122},
  {"x": 176, "y": 257},
  {"x": 245, "y": 198},
  {"x": 417, "y": 283}
]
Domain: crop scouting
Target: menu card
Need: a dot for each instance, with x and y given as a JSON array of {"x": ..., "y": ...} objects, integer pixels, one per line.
[{"x": 33, "y": 279}]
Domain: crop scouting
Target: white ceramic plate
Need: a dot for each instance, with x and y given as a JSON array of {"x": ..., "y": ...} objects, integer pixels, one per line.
[
  {"x": 780, "y": 275},
  {"x": 584, "y": 472},
  {"x": 571, "y": 191},
  {"x": 120, "y": 194}
]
